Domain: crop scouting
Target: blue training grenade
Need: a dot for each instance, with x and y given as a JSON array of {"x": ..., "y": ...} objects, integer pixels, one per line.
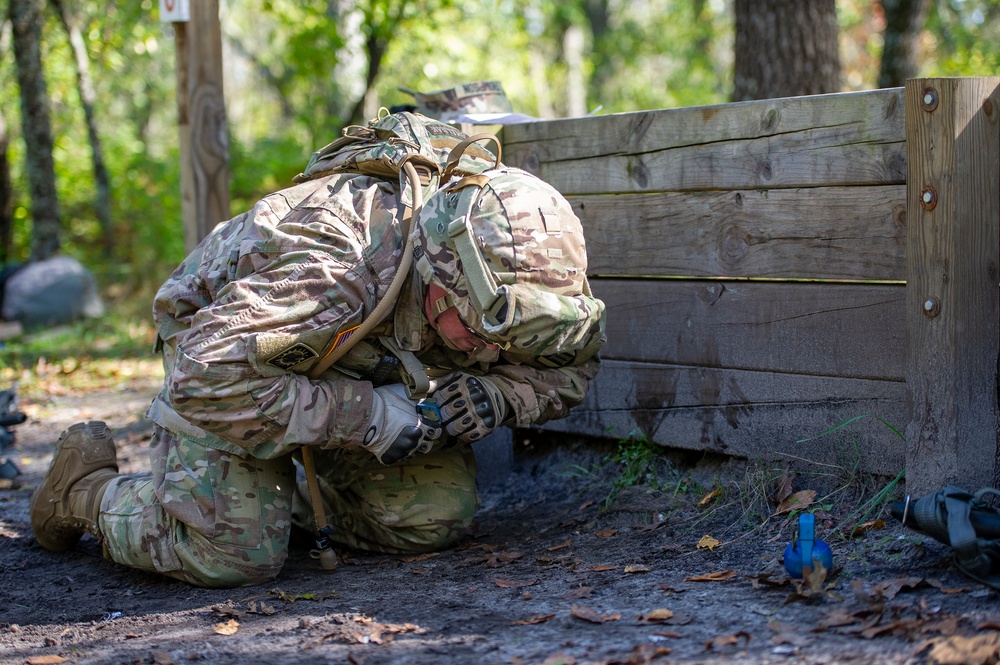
[{"x": 806, "y": 549}]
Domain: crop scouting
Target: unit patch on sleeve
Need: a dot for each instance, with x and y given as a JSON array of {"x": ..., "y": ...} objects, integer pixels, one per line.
[{"x": 292, "y": 356}]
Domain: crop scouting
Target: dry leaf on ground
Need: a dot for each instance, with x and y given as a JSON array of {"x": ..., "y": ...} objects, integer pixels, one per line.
[
  {"x": 718, "y": 576},
  {"x": 561, "y": 546},
  {"x": 961, "y": 650},
  {"x": 728, "y": 640},
  {"x": 710, "y": 497},
  {"x": 797, "y": 501},
  {"x": 708, "y": 543},
  {"x": 587, "y": 614},
  {"x": 634, "y": 568},
  {"x": 227, "y": 627},
  {"x": 659, "y": 615},
  {"x": 513, "y": 584},
  {"x": 605, "y": 533},
  {"x": 46, "y": 660}
]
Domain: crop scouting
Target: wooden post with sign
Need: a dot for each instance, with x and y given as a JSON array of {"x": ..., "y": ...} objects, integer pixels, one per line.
[
  {"x": 953, "y": 307},
  {"x": 201, "y": 115}
]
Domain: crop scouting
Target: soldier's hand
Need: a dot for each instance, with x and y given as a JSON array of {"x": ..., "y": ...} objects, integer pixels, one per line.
[
  {"x": 397, "y": 430},
  {"x": 471, "y": 406}
]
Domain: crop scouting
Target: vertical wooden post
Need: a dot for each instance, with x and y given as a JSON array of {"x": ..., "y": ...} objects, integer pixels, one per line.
[
  {"x": 201, "y": 113},
  {"x": 953, "y": 297}
]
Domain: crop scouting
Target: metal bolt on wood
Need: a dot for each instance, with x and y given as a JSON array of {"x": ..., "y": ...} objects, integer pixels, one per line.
[
  {"x": 932, "y": 307},
  {"x": 928, "y": 198},
  {"x": 930, "y": 99}
]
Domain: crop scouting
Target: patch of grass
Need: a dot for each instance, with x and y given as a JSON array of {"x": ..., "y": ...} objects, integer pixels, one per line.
[
  {"x": 641, "y": 462},
  {"x": 86, "y": 354}
]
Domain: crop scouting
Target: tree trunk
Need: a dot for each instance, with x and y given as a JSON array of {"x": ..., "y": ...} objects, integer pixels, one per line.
[
  {"x": 904, "y": 19},
  {"x": 785, "y": 48},
  {"x": 26, "y": 18},
  {"x": 576, "y": 88},
  {"x": 88, "y": 98},
  {"x": 6, "y": 196}
]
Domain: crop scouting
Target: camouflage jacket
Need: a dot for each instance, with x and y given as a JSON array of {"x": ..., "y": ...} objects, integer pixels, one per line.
[{"x": 246, "y": 316}]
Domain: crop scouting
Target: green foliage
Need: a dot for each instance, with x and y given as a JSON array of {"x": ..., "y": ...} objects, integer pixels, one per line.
[
  {"x": 640, "y": 462},
  {"x": 295, "y": 71}
]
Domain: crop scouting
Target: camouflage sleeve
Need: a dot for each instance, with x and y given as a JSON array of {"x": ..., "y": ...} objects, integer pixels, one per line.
[
  {"x": 221, "y": 380},
  {"x": 308, "y": 270},
  {"x": 538, "y": 395}
]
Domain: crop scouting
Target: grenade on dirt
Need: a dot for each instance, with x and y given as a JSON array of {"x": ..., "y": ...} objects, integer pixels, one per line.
[{"x": 806, "y": 551}]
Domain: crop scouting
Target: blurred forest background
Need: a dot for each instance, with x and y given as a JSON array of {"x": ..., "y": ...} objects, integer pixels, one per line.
[{"x": 297, "y": 71}]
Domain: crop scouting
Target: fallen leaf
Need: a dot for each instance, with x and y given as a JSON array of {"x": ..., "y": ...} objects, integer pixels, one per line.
[
  {"x": 46, "y": 660},
  {"x": 862, "y": 529},
  {"x": 587, "y": 614},
  {"x": 605, "y": 533},
  {"x": 585, "y": 505},
  {"x": 512, "y": 584},
  {"x": 764, "y": 580},
  {"x": 719, "y": 576},
  {"x": 603, "y": 569},
  {"x": 507, "y": 557},
  {"x": 227, "y": 627},
  {"x": 889, "y": 589},
  {"x": 634, "y": 568},
  {"x": 797, "y": 501},
  {"x": 959, "y": 650},
  {"x": 710, "y": 497},
  {"x": 561, "y": 546},
  {"x": 708, "y": 543},
  {"x": 559, "y": 659},
  {"x": 728, "y": 640},
  {"x": 420, "y": 571},
  {"x": 667, "y": 633},
  {"x": 660, "y": 615},
  {"x": 541, "y": 618},
  {"x": 782, "y": 489}
]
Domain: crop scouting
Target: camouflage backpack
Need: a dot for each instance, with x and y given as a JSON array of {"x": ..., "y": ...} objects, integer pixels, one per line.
[{"x": 388, "y": 143}]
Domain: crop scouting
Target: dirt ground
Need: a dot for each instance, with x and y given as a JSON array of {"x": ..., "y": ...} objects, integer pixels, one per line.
[{"x": 546, "y": 575}]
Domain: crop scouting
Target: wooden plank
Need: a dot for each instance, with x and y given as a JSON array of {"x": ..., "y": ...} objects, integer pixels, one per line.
[
  {"x": 201, "y": 122},
  {"x": 849, "y": 233},
  {"x": 824, "y": 140},
  {"x": 755, "y": 415},
  {"x": 953, "y": 300},
  {"x": 810, "y": 329}
]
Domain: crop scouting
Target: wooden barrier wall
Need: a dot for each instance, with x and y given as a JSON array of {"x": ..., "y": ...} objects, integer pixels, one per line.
[{"x": 754, "y": 258}]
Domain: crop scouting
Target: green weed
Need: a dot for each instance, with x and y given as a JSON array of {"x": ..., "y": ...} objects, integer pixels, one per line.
[{"x": 640, "y": 462}]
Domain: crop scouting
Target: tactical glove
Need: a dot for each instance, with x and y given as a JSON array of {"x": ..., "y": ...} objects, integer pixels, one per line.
[
  {"x": 396, "y": 430},
  {"x": 471, "y": 406}
]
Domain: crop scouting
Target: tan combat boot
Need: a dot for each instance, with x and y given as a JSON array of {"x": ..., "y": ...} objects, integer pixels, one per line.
[{"x": 68, "y": 502}]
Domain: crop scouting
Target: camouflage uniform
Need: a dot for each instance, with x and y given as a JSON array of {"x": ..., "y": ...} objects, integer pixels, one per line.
[{"x": 241, "y": 322}]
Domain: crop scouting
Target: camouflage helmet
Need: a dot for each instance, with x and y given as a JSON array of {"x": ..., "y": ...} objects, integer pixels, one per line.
[
  {"x": 467, "y": 98},
  {"x": 506, "y": 251}
]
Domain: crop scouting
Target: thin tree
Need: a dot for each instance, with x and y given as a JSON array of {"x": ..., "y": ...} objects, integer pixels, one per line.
[
  {"x": 6, "y": 195},
  {"x": 904, "y": 19},
  {"x": 88, "y": 99},
  {"x": 26, "y": 20},
  {"x": 785, "y": 48}
]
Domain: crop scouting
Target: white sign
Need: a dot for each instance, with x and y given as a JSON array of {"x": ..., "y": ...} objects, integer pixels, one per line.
[{"x": 175, "y": 11}]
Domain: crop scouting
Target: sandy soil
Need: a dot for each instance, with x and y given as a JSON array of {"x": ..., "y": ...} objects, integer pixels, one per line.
[{"x": 546, "y": 575}]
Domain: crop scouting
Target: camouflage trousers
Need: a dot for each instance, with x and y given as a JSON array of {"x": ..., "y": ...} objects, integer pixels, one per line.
[{"x": 212, "y": 518}]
